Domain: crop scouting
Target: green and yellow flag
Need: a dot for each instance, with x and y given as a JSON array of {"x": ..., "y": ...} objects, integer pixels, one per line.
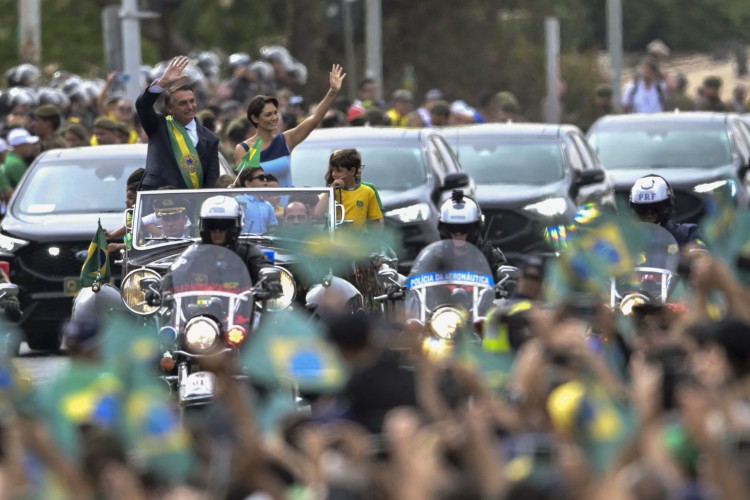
[
  {"x": 96, "y": 267},
  {"x": 251, "y": 158}
]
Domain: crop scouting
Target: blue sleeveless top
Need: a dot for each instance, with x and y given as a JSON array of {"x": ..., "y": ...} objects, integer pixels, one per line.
[{"x": 276, "y": 160}]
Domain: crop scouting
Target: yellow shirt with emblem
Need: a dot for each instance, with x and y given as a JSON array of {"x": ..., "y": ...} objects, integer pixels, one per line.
[{"x": 360, "y": 204}]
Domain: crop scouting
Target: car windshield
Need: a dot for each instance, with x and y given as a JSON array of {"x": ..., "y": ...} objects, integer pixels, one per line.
[
  {"x": 500, "y": 160},
  {"x": 700, "y": 145},
  {"x": 81, "y": 186},
  {"x": 167, "y": 216},
  {"x": 388, "y": 165}
]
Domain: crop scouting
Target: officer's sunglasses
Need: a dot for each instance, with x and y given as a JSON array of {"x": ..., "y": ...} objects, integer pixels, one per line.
[
  {"x": 457, "y": 228},
  {"x": 219, "y": 224}
]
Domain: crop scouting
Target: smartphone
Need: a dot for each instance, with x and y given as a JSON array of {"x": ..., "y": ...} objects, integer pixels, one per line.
[{"x": 122, "y": 78}]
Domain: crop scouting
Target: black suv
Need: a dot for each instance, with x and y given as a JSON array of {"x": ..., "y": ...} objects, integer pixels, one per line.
[
  {"x": 531, "y": 179},
  {"x": 696, "y": 153},
  {"x": 414, "y": 170},
  {"x": 51, "y": 220}
]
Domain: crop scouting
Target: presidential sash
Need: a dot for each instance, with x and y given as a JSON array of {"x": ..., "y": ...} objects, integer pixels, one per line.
[{"x": 185, "y": 154}]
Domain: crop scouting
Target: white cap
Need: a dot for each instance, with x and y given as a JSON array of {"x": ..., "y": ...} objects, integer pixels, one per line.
[
  {"x": 4, "y": 146},
  {"x": 19, "y": 136}
]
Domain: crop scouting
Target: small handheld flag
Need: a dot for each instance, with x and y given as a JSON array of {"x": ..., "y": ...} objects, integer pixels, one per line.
[
  {"x": 251, "y": 158},
  {"x": 96, "y": 267}
]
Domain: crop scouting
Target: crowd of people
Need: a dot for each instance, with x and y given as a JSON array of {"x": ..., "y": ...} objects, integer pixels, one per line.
[{"x": 550, "y": 398}]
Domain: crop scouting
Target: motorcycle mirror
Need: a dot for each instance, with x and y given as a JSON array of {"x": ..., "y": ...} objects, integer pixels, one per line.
[
  {"x": 387, "y": 273},
  {"x": 270, "y": 274},
  {"x": 510, "y": 272},
  {"x": 8, "y": 290}
]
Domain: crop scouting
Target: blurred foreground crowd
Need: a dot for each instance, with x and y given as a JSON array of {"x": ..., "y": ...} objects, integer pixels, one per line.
[{"x": 570, "y": 401}]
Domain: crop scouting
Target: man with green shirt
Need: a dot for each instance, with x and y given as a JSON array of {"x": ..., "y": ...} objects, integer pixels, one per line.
[{"x": 25, "y": 149}]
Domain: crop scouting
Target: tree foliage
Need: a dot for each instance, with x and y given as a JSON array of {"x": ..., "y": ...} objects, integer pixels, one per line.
[{"x": 465, "y": 48}]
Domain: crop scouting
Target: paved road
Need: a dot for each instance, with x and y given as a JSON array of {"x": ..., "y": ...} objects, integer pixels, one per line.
[{"x": 39, "y": 366}]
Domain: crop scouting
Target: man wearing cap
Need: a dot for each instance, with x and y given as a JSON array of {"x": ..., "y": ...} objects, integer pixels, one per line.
[
  {"x": 25, "y": 148},
  {"x": 45, "y": 122},
  {"x": 430, "y": 98},
  {"x": 181, "y": 151},
  {"x": 711, "y": 98},
  {"x": 105, "y": 132},
  {"x": 170, "y": 218}
]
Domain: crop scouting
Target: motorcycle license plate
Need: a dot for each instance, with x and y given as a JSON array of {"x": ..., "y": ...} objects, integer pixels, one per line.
[{"x": 199, "y": 384}]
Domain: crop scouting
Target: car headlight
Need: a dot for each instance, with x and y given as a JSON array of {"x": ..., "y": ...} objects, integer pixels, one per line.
[
  {"x": 446, "y": 321},
  {"x": 288, "y": 289},
  {"x": 632, "y": 300},
  {"x": 10, "y": 244},
  {"x": 549, "y": 207},
  {"x": 201, "y": 334},
  {"x": 413, "y": 213},
  {"x": 132, "y": 294},
  {"x": 709, "y": 187}
]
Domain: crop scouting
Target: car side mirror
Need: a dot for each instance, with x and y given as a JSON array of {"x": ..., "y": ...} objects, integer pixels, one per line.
[
  {"x": 591, "y": 176},
  {"x": 456, "y": 180}
]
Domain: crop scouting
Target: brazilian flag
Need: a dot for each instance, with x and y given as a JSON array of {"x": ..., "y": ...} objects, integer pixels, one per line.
[
  {"x": 96, "y": 267},
  {"x": 252, "y": 157}
]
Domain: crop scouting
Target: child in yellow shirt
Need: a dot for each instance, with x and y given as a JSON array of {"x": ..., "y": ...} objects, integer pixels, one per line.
[{"x": 359, "y": 200}]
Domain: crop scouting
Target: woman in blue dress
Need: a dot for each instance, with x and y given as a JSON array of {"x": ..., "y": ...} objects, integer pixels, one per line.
[{"x": 263, "y": 112}]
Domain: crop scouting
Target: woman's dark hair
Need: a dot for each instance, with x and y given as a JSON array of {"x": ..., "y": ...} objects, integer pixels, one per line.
[{"x": 257, "y": 104}]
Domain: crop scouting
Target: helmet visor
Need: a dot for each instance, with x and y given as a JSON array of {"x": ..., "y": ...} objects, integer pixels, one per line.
[
  {"x": 219, "y": 224},
  {"x": 458, "y": 228}
]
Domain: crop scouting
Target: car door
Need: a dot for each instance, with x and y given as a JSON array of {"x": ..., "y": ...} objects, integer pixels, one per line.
[{"x": 741, "y": 136}]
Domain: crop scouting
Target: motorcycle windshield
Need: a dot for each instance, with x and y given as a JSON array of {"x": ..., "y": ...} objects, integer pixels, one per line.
[
  {"x": 656, "y": 262},
  {"x": 449, "y": 273},
  {"x": 210, "y": 280}
]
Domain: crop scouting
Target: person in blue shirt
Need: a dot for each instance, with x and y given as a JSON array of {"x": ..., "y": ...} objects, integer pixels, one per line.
[{"x": 260, "y": 215}]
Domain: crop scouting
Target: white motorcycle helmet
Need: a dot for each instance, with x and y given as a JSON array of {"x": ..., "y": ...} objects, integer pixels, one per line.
[
  {"x": 221, "y": 212},
  {"x": 652, "y": 194},
  {"x": 460, "y": 215}
]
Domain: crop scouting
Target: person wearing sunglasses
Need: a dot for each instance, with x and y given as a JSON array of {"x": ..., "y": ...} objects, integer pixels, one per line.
[
  {"x": 259, "y": 214},
  {"x": 461, "y": 220},
  {"x": 652, "y": 200}
]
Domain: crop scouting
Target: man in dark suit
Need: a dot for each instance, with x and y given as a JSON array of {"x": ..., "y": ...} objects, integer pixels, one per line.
[{"x": 181, "y": 152}]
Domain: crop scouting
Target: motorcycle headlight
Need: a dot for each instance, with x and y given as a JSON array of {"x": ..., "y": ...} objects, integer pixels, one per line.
[
  {"x": 413, "y": 213},
  {"x": 445, "y": 322},
  {"x": 10, "y": 244},
  {"x": 201, "y": 334},
  {"x": 132, "y": 294},
  {"x": 549, "y": 207},
  {"x": 288, "y": 289},
  {"x": 632, "y": 300}
]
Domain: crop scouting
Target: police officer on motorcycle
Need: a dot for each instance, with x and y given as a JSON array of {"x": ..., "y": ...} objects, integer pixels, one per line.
[
  {"x": 461, "y": 219},
  {"x": 221, "y": 220},
  {"x": 652, "y": 200}
]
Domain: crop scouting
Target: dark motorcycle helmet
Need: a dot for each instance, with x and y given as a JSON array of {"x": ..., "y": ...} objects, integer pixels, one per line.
[
  {"x": 460, "y": 215},
  {"x": 221, "y": 212},
  {"x": 92, "y": 307},
  {"x": 652, "y": 194}
]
